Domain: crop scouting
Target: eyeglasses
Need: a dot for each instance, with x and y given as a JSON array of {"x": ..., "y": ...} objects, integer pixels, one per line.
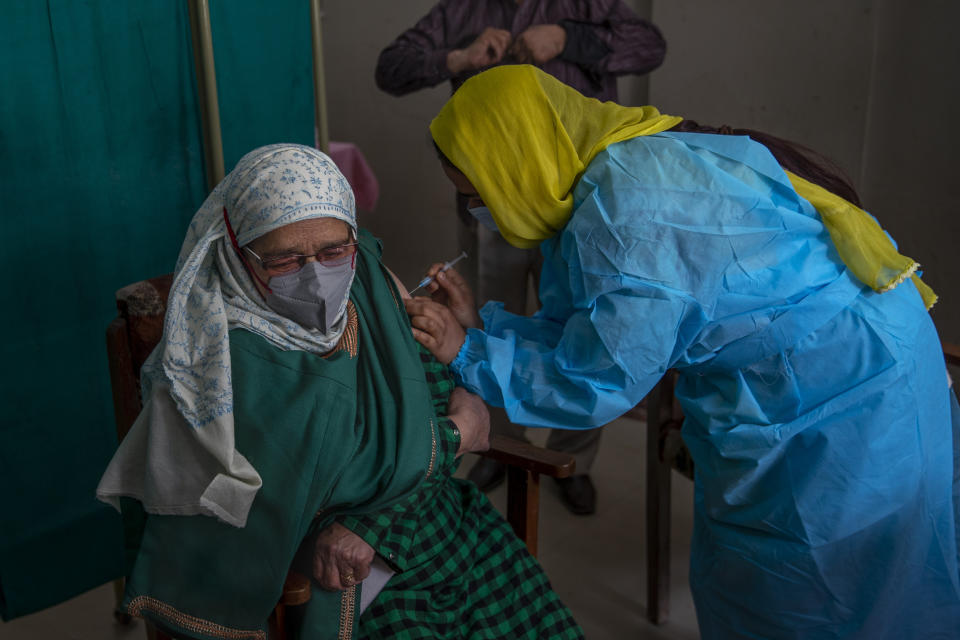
[{"x": 291, "y": 263}]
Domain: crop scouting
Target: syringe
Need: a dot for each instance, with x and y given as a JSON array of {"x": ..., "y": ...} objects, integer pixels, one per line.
[{"x": 446, "y": 265}]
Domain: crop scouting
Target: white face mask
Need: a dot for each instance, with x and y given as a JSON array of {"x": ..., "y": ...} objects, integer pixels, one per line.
[{"x": 484, "y": 217}]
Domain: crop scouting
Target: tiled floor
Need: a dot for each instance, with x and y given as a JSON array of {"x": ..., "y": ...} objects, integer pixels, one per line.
[{"x": 596, "y": 563}]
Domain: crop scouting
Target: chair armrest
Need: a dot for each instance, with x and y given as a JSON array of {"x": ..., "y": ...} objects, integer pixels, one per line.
[
  {"x": 296, "y": 590},
  {"x": 516, "y": 453},
  {"x": 123, "y": 377},
  {"x": 951, "y": 352}
]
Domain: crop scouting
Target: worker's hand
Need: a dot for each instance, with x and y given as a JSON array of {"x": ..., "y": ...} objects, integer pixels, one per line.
[
  {"x": 341, "y": 558},
  {"x": 539, "y": 44},
  {"x": 470, "y": 415},
  {"x": 451, "y": 290},
  {"x": 435, "y": 327},
  {"x": 486, "y": 50}
]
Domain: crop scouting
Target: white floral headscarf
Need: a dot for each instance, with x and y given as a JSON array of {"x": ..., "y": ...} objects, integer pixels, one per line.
[{"x": 212, "y": 293}]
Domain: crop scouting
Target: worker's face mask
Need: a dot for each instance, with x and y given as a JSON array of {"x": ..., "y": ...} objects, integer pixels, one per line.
[
  {"x": 484, "y": 217},
  {"x": 312, "y": 296}
]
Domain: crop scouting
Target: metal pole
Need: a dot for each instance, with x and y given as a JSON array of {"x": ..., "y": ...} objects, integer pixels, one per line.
[
  {"x": 319, "y": 84},
  {"x": 207, "y": 90}
]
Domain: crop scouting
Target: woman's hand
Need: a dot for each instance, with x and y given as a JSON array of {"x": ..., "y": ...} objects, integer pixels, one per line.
[
  {"x": 341, "y": 558},
  {"x": 470, "y": 415},
  {"x": 435, "y": 327},
  {"x": 450, "y": 289}
]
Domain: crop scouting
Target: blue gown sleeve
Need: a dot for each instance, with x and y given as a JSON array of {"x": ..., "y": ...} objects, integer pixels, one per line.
[
  {"x": 583, "y": 372},
  {"x": 609, "y": 329},
  {"x": 658, "y": 235},
  {"x": 574, "y": 375}
]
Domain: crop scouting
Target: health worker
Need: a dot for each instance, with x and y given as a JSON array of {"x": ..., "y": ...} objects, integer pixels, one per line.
[{"x": 818, "y": 411}]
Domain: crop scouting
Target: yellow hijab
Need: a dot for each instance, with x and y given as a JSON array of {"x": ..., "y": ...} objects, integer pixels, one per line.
[
  {"x": 862, "y": 244},
  {"x": 523, "y": 139}
]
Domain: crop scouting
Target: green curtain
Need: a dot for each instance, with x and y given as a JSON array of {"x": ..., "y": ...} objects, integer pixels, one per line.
[
  {"x": 264, "y": 73},
  {"x": 101, "y": 169}
]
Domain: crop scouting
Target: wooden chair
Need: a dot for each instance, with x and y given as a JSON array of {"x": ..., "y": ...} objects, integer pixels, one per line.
[
  {"x": 951, "y": 353},
  {"x": 662, "y": 414},
  {"x": 137, "y": 329}
]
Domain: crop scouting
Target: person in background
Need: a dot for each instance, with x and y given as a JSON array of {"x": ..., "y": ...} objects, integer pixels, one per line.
[
  {"x": 818, "y": 411},
  {"x": 584, "y": 44}
]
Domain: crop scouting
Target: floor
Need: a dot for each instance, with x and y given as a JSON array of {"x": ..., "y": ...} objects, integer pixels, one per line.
[{"x": 596, "y": 563}]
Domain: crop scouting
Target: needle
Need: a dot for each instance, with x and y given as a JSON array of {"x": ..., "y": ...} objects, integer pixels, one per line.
[{"x": 446, "y": 265}]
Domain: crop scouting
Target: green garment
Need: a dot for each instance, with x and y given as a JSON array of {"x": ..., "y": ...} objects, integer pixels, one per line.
[
  {"x": 462, "y": 572},
  {"x": 346, "y": 434}
]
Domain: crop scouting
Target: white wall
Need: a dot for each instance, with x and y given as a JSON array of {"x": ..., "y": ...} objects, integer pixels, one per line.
[
  {"x": 872, "y": 84},
  {"x": 909, "y": 168}
]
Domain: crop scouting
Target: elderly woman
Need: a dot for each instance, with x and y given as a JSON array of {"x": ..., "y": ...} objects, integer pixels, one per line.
[
  {"x": 818, "y": 412},
  {"x": 291, "y": 420}
]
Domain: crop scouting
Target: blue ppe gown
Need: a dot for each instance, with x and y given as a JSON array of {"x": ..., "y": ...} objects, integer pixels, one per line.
[{"x": 818, "y": 412}]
